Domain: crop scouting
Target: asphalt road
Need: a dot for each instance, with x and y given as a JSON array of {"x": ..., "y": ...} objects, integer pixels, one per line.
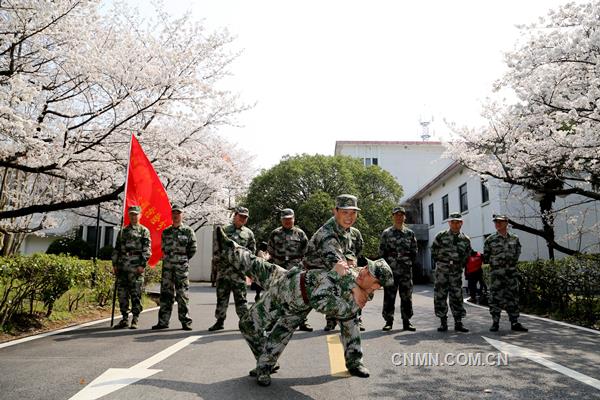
[{"x": 550, "y": 361}]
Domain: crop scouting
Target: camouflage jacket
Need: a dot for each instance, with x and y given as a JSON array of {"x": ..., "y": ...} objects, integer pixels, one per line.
[
  {"x": 501, "y": 250},
  {"x": 332, "y": 243},
  {"x": 244, "y": 237},
  {"x": 287, "y": 246},
  {"x": 327, "y": 292},
  {"x": 450, "y": 248},
  {"x": 133, "y": 248},
  {"x": 178, "y": 244},
  {"x": 398, "y": 247}
]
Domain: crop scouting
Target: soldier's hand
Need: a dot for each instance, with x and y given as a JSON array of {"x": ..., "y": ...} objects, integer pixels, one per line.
[
  {"x": 341, "y": 267},
  {"x": 140, "y": 270},
  {"x": 115, "y": 270},
  {"x": 360, "y": 296}
]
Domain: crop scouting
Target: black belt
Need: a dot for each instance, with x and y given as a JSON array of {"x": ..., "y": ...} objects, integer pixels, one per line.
[{"x": 303, "y": 287}]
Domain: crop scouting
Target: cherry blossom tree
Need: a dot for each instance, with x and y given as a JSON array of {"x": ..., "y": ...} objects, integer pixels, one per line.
[
  {"x": 77, "y": 81},
  {"x": 547, "y": 141}
]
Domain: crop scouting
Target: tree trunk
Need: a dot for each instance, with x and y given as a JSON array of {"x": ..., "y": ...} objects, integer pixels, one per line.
[{"x": 546, "y": 204}]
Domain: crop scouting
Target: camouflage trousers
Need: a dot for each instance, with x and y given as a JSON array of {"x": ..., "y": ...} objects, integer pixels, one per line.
[
  {"x": 174, "y": 285},
  {"x": 225, "y": 286},
  {"x": 504, "y": 293},
  {"x": 129, "y": 287},
  {"x": 271, "y": 322},
  {"x": 402, "y": 284},
  {"x": 448, "y": 284}
]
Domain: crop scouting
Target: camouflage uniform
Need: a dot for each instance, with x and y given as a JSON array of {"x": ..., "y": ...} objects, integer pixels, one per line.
[
  {"x": 450, "y": 252},
  {"x": 330, "y": 244},
  {"x": 229, "y": 279},
  {"x": 502, "y": 253},
  {"x": 178, "y": 247},
  {"x": 287, "y": 246},
  {"x": 284, "y": 306},
  {"x": 399, "y": 248},
  {"x": 131, "y": 251}
]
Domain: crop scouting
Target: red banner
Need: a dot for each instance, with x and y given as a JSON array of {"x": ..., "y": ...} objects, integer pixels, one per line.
[{"x": 144, "y": 189}]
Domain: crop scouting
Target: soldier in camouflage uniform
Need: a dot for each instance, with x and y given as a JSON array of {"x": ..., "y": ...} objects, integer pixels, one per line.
[
  {"x": 450, "y": 250},
  {"x": 229, "y": 279},
  {"x": 132, "y": 252},
  {"x": 178, "y": 247},
  {"x": 287, "y": 245},
  {"x": 352, "y": 255},
  {"x": 398, "y": 246},
  {"x": 290, "y": 295},
  {"x": 502, "y": 250},
  {"x": 332, "y": 243}
]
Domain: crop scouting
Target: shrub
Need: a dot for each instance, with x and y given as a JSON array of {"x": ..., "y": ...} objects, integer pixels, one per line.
[{"x": 73, "y": 247}]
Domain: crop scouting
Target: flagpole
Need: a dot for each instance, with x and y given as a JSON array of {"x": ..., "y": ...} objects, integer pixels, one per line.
[{"x": 112, "y": 315}]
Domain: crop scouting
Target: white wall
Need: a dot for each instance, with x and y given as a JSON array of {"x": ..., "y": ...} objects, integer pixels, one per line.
[
  {"x": 200, "y": 264},
  {"x": 413, "y": 164},
  {"x": 36, "y": 244}
]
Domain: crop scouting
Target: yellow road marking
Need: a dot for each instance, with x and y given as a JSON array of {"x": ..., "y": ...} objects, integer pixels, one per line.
[{"x": 336, "y": 356}]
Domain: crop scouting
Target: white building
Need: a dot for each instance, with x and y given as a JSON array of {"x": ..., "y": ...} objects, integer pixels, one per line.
[
  {"x": 413, "y": 164},
  {"x": 458, "y": 189}
]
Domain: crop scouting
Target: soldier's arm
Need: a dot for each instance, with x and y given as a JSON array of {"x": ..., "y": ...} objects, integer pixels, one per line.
[
  {"x": 163, "y": 235},
  {"x": 331, "y": 252},
  {"x": 116, "y": 250},
  {"x": 360, "y": 244},
  {"x": 381, "y": 253},
  {"x": 271, "y": 244},
  {"x": 192, "y": 245},
  {"x": 146, "y": 247},
  {"x": 435, "y": 246},
  {"x": 518, "y": 251},
  {"x": 303, "y": 244},
  {"x": 252, "y": 243},
  {"x": 487, "y": 251},
  {"x": 413, "y": 248}
]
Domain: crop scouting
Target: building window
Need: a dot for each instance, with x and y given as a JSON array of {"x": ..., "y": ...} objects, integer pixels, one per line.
[
  {"x": 108, "y": 235},
  {"x": 370, "y": 161},
  {"x": 485, "y": 193},
  {"x": 431, "y": 219},
  {"x": 462, "y": 198},
  {"x": 445, "y": 208}
]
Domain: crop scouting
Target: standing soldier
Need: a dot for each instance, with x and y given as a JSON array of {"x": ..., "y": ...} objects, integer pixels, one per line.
[
  {"x": 129, "y": 259},
  {"x": 229, "y": 279},
  {"x": 332, "y": 243},
  {"x": 287, "y": 245},
  {"x": 502, "y": 250},
  {"x": 178, "y": 247},
  {"x": 398, "y": 246},
  {"x": 450, "y": 250}
]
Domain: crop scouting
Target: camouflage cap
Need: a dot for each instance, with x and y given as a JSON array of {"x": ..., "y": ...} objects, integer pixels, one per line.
[
  {"x": 287, "y": 213},
  {"x": 398, "y": 210},
  {"x": 134, "y": 210},
  {"x": 499, "y": 217},
  {"x": 455, "y": 216},
  {"x": 242, "y": 211},
  {"x": 176, "y": 208},
  {"x": 381, "y": 271},
  {"x": 346, "y": 202}
]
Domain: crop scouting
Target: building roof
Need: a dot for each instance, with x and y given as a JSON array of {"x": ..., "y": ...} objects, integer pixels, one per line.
[
  {"x": 452, "y": 168},
  {"x": 340, "y": 143}
]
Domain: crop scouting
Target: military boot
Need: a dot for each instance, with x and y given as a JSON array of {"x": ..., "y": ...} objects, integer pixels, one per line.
[
  {"x": 517, "y": 327},
  {"x": 218, "y": 325},
  {"x": 263, "y": 377},
  {"x": 407, "y": 326},
  {"x": 359, "y": 370},
  {"x": 388, "y": 325},
  {"x": 495, "y": 326},
  {"x": 330, "y": 325},
  {"x": 360, "y": 325},
  {"x": 134, "y": 323},
  {"x": 187, "y": 326},
  {"x": 159, "y": 326},
  {"x": 122, "y": 324},
  {"x": 443, "y": 324},
  {"x": 305, "y": 327},
  {"x": 274, "y": 370},
  {"x": 459, "y": 327}
]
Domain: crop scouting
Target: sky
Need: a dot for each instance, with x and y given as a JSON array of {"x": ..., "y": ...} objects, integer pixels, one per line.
[{"x": 326, "y": 70}]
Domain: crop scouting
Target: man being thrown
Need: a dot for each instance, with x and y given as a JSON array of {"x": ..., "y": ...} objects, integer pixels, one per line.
[{"x": 290, "y": 295}]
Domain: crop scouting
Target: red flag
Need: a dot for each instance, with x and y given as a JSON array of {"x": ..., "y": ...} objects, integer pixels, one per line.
[{"x": 144, "y": 189}]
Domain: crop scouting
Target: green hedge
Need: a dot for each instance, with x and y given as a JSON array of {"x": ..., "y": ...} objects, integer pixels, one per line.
[
  {"x": 45, "y": 278},
  {"x": 566, "y": 289}
]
